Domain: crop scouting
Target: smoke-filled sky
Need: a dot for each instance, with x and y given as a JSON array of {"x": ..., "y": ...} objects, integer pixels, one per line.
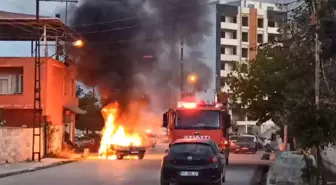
[
  {"x": 118, "y": 33},
  {"x": 52, "y": 8}
]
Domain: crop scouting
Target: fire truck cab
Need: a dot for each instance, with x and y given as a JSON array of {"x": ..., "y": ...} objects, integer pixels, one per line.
[{"x": 199, "y": 120}]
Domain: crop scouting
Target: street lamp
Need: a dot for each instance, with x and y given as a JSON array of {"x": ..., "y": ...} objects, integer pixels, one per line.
[
  {"x": 78, "y": 43},
  {"x": 192, "y": 78}
]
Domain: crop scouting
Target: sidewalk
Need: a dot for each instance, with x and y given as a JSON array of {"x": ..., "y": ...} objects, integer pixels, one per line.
[{"x": 24, "y": 167}]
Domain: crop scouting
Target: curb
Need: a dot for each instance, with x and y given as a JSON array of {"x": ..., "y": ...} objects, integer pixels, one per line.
[{"x": 38, "y": 168}]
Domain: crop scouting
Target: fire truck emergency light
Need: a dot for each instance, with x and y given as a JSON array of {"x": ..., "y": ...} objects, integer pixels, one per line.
[{"x": 187, "y": 105}]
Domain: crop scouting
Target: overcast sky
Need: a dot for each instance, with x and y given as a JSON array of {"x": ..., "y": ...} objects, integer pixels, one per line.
[{"x": 20, "y": 49}]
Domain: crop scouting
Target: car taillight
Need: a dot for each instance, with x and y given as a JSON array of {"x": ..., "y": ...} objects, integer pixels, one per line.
[
  {"x": 225, "y": 142},
  {"x": 213, "y": 160}
]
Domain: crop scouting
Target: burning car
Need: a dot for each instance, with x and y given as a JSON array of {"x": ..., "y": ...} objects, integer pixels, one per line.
[
  {"x": 116, "y": 142},
  {"x": 125, "y": 151}
]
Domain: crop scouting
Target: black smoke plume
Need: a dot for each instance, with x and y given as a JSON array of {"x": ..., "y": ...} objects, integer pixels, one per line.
[{"x": 119, "y": 33}]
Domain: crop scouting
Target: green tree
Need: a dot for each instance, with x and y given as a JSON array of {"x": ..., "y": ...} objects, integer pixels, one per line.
[{"x": 93, "y": 119}]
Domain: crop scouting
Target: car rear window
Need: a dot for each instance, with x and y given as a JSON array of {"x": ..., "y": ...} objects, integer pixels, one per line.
[{"x": 192, "y": 148}]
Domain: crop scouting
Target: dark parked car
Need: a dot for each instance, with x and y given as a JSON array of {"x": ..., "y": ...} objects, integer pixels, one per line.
[
  {"x": 193, "y": 161},
  {"x": 245, "y": 144}
]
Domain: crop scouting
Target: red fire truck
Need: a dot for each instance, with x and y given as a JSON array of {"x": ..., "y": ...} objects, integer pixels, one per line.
[{"x": 199, "y": 120}]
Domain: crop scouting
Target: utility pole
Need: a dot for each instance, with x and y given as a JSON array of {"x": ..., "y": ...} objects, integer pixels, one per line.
[
  {"x": 286, "y": 126},
  {"x": 37, "y": 114},
  {"x": 315, "y": 18},
  {"x": 317, "y": 58},
  {"x": 182, "y": 70}
]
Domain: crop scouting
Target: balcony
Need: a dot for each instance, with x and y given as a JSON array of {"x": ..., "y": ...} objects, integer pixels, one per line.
[
  {"x": 224, "y": 73},
  {"x": 252, "y": 123},
  {"x": 229, "y": 26},
  {"x": 225, "y": 57},
  {"x": 272, "y": 30},
  {"x": 231, "y": 42}
]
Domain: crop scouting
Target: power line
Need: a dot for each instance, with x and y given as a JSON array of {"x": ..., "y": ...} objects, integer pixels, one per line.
[
  {"x": 118, "y": 29},
  {"x": 135, "y": 26},
  {"x": 134, "y": 18}
]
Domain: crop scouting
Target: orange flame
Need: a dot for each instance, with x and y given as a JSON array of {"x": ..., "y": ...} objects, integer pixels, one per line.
[{"x": 114, "y": 134}]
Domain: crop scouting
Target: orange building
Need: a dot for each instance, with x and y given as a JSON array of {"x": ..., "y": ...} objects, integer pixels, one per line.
[
  {"x": 58, "y": 93},
  {"x": 56, "y": 97}
]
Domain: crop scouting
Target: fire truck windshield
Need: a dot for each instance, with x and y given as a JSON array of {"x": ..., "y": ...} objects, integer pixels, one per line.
[{"x": 197, "y": 119}]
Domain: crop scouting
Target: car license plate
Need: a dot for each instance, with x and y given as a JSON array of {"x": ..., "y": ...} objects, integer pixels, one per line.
[
  {"x": 245, "y": 148},
  {"x": 134, "y": 152},
  {"x": 185, "y": 173}
]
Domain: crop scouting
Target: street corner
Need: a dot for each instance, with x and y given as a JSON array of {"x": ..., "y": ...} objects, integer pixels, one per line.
[{"x": 7, "y": 170}]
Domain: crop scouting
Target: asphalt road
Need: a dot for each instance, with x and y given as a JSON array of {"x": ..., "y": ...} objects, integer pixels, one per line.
[{"x": 126, "y": 172}]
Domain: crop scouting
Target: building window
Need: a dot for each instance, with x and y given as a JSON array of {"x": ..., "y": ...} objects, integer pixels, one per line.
[
  {"x": 229, "y": 50},
  {"x": 244, "y": 52},
  {"x": 245, "y": 21},
  {"x": 260, "y": 38},
  {"x": 234, "y": 51},
  {"x": 222, "y": 34},
  {"x": 270, "y": 8},
  {"x": 222, "y": 81},
  {"x": 222, "y": 50},
  {"x": 229, "y": 34},
  {"x": 244, "y": 36},
  {"x": 234, "y": 35},
  {"x": 4, "y": 86},
  {"x": 250, "y": 5},
  {"x": 229, "y": 19},
  {"x": 222, "y": 18},
  {"x": 17, "y": 81},
  {"x": 11, "y": 84},
  {"x": 234, "y": 19},
  {"x": 260, "y": 22},
  {"x": 271, "y": 23},
  {"x": 222, "y": 65}
]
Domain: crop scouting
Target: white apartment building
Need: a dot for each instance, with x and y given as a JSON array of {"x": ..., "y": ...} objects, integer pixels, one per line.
[{"x": 241, "y": 27}]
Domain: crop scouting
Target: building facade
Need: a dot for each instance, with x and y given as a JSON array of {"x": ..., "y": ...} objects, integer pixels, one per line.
[
  {"x": 241, "y": 26},
  {"x": 58, "y": 95}
]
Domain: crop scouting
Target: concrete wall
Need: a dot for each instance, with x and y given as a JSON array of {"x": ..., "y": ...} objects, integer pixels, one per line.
[{"x": 16, "y": 144}]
